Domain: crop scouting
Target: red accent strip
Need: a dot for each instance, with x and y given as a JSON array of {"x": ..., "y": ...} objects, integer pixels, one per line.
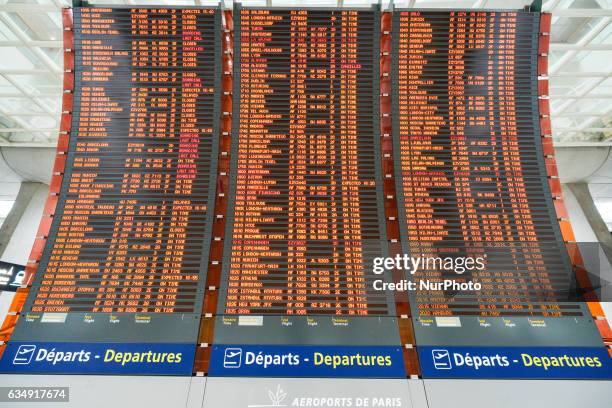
[
  {"x": 402, "y": 306},
  {"x": 543, "y": 88},
  {"x": 551, "y": 168},
  {"x": 545, "y": 22},
  {"x": 56, "y": 181},
  {"x": 213, "y": 276},
  {"x": 544, "y": 106}
]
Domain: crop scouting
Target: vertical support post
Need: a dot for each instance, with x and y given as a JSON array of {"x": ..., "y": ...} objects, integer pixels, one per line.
[{"x": 26, "y": 192}]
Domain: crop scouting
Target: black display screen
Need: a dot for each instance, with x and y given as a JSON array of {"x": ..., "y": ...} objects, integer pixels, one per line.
[
  {"x": 130, "y": 236},
  {"x": 470, "y": 175}
]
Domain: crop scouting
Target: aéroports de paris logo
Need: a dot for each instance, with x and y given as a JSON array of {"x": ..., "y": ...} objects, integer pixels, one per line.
[
  {"x": 232, "y": 357},
  {"x": 276, "y": 399},
  {"x": 24, "y": 354},
  {"x": 441, "y": 359}
]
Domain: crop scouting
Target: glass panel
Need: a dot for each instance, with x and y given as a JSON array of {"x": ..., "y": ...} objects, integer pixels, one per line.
[
  {"x": 21, "y": 137},
  {"x": 555, "y": 104},
  {"x": 19, "y": 105},
  {"x": 556, "y": 90},
  {"x": 584, "y": 4},
  {"x": 604, "y": 37},
  {"x": 561, "y": 122},
  {"x": 605, "y": 88},
  {"x": 27, "y": 1},
  {"x": 16, "y": 18},
  {"x": 56, "y": 55},
  {"x": 39, "y": 122},
  {"x": 6, "y": 122},
  {"x": 570, "y": 30},
  {"x": 109, "y": 2},
  {"x": 444, "y": 3},
  {"x": 571, "y": 121},
  {"x": 548, "y": 4},
  {"x": 594, "y": 60},
  {"x": 505, "y": 4},
  {"x": 38, "y": 26},
  {"x": 564, "y": 136},
  {"x": 599, "y": 123},
  {"x": 53, "y": 103},
  {"x": 56, "y": 17},
  {"x": 297, "y": 3},
  {"x": 360, "y": 3},
  {"x": 584, "y": 85},
  {"x": 254, "y": 3},
  {"x": 555, "y": 56},
  {"x": 7, "y": 88},
  {"x": 19, "y": 58},
  {"x": 585, "y": 136},
  {"x": 566, "y": 85},
  {"x": 589, "y": 106},
  {"x": 41, "y": 83},
  {"x": 5, "y": 33}
]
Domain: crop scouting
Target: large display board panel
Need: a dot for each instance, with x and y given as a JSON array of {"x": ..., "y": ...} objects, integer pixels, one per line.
[
  {"x": 128, "y": 250},
  {"x": 471, "y": 181},
  {"x": 307, "y": 151},
  {"x": 304, "y": 216}
]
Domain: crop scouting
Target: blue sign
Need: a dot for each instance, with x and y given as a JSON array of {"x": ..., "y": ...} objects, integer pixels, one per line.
[
  {"x": 98, "y": 358},
  {"x": 306, "y": 361},
  {"x": 515, "y": 362}
]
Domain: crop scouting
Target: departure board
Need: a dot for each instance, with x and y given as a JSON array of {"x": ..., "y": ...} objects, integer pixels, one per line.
[
  {"x": 471, "y": 181},
  {"x": 279, "y": 192},
  {"x": 128, "y": 249},
  {"x": 304, "y": 216}
]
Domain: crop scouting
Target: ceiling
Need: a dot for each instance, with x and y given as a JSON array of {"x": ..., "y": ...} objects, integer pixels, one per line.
[{"x": 580, "y": 68}]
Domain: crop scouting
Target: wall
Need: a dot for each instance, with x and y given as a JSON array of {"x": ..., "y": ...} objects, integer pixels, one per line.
[
  {"x": 18, "y": 249},
  {"x": 584, "y": 234}
]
